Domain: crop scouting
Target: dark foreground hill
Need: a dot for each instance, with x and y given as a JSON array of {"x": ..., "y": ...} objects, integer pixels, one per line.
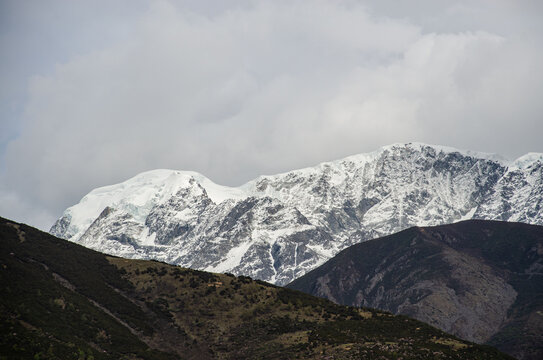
[
  {"x": 480, "y": 280},
  {"x": 62, "y": 301}
]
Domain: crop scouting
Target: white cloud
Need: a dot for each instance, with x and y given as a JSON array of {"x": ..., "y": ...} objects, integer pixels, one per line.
[{"x": 265, "y": 88}]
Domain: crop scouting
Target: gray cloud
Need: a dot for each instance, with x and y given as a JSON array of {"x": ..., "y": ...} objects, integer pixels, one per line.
[{"x": 251, "y": 88}]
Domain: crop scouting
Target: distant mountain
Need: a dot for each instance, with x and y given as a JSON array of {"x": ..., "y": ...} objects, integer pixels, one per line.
[
  {"x": 277, "y": 228},
  {"x": 480, "y": 280},
  {"x": 63, "y": 301}
]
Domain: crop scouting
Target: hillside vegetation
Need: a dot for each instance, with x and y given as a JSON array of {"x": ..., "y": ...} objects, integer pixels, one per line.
[{"x": 62, "y": 301}]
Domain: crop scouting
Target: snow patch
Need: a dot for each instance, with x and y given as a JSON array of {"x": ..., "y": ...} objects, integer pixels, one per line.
[
  {"x": 527, "y": 160},
  {"x": 232, "y": 259},
  {"x": 468, "y": 215}
]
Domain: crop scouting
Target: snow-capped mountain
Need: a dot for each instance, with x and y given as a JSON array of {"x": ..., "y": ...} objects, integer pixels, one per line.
[{"x": 279, "y": 227}]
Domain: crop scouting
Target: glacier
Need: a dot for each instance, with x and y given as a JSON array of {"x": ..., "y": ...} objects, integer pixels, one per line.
[{"x": 278, "y": 227}]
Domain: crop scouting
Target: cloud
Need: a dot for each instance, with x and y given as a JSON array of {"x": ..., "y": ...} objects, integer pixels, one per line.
[{"x": 261, "y": 88}]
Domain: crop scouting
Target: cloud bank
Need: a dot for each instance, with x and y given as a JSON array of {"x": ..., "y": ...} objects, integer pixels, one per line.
[{"x": 259, "y": 88}]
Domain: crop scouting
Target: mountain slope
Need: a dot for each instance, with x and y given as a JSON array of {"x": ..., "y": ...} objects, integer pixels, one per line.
[
  {"x": 276, "y": 228},
  {"x": 63, "y": 301},
  {"x": 480, "y": 280}
]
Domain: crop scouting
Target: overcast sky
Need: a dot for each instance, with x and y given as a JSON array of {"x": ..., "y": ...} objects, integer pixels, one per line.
[{"x": 94, "y": 92}]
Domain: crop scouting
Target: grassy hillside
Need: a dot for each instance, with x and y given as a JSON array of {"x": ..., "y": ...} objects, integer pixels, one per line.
[{"x": 62, "y": 301}]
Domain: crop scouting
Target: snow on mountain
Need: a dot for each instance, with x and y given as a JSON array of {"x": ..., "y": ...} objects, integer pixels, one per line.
[{"x": 279, "y": 227}]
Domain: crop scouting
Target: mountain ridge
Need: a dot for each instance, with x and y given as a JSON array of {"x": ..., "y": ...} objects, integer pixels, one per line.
[{"x": 278, "y": 227}]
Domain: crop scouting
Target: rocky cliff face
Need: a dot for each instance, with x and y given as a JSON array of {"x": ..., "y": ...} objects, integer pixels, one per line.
[
  {"x": 480, "y": 280},
  {"x": 277, "y": 228}
]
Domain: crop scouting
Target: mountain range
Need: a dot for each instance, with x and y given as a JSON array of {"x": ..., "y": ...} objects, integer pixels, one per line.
[
  {"x": 480, "y": 280},
  {"x": 277, "y": 228},
  {"x": 63, "y": 301}
]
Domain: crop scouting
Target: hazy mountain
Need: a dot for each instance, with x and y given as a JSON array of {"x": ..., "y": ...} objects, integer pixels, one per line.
[
  {"x": 277, "y": 228},
  {"x": 63, "y": 301},
  {"x": 480, "y": 280}
]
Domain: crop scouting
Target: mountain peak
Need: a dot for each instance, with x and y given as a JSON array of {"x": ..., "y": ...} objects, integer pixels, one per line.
[
  {"x": 419, "y": 146},
  {"x": 184, "y": 218}
]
